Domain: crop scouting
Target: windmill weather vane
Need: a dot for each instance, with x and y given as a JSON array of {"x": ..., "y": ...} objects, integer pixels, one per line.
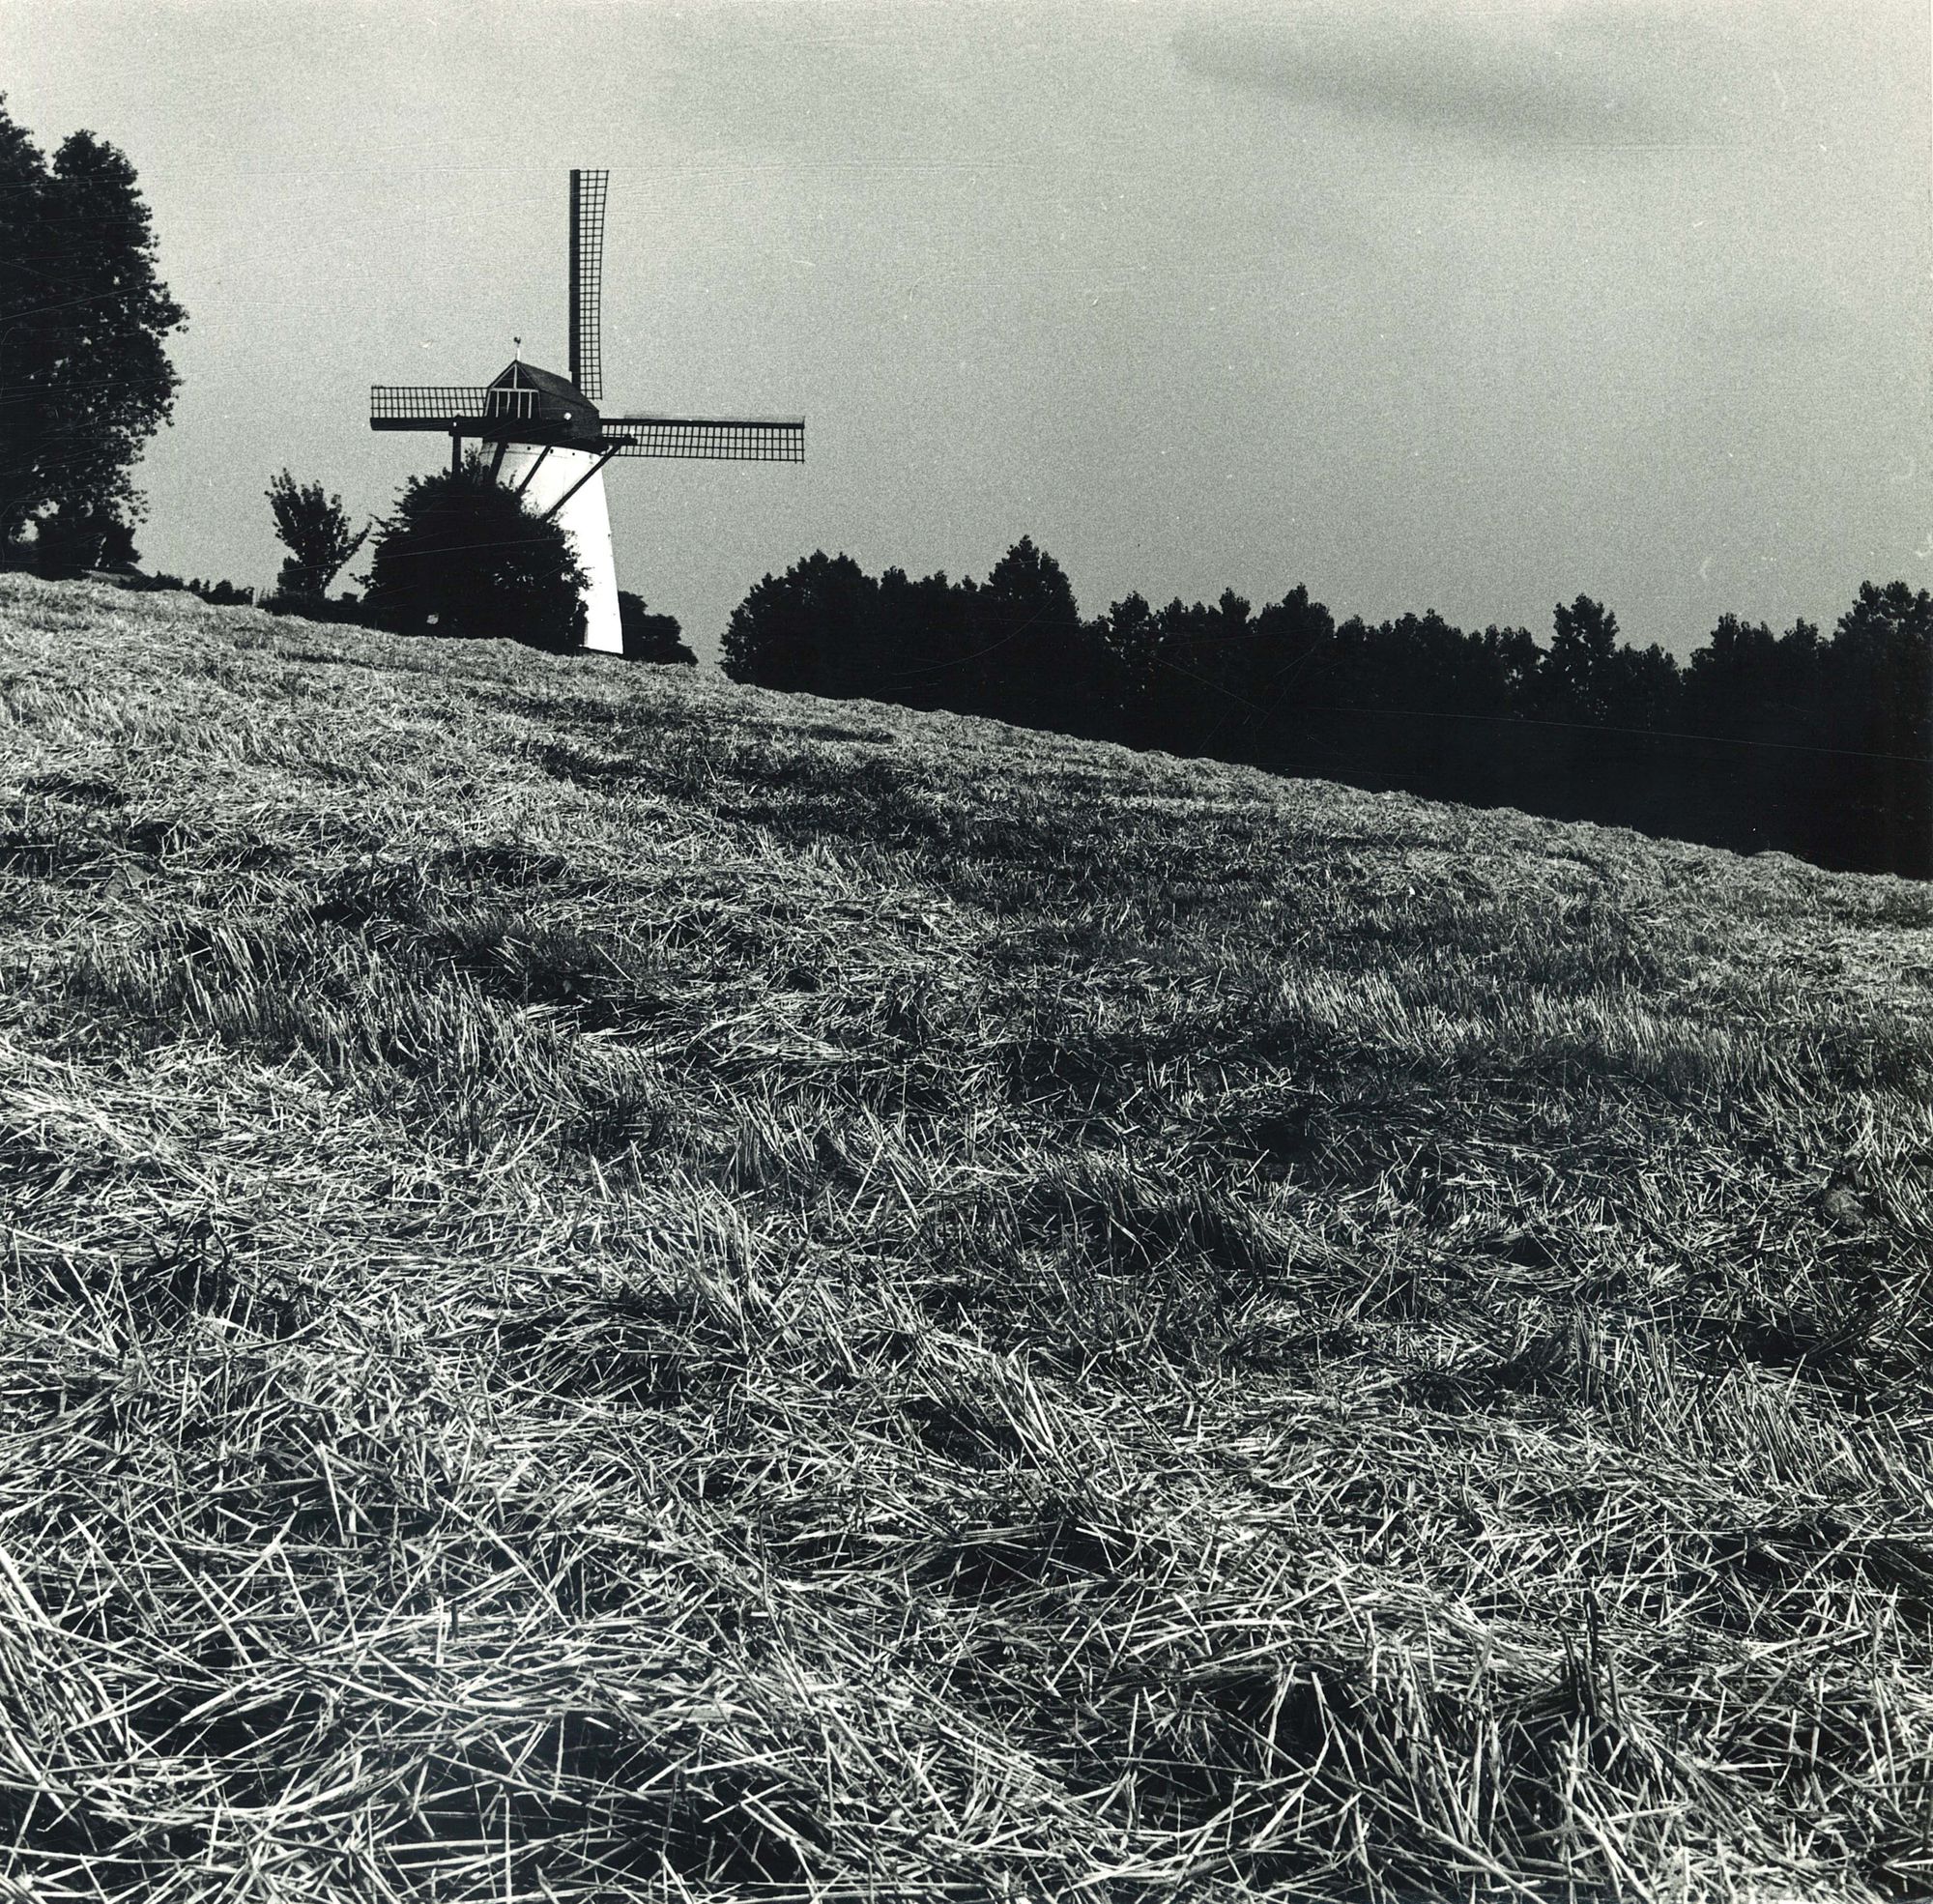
[{"x": 551, "y": 442}]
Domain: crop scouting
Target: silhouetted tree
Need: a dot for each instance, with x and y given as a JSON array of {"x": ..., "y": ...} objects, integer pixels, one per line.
[
  {"x": 1747, "y": 683},
  {"x": 1133, "y": 633},
  {"x": 1830, "y": 747},
  {"x": 1206, "y": 679},
  {"x": 1577, "y": 673},
  {"x": 797, "y": 630},
  {"x": 1879, "y": 671},
  {"x": 84, "y": 377},
  {"x": 1645, "y": 690},
  {"x": 462, "y": 556},
  {"x": 1034, "y": 661},
  {"x": 1222, "y": 679},
  {"x": 915, "y": 647},
  {"x": 1278, "y": 669},
  {"x": 314, "y": 528},
  {"x": 650, "y": 637}
]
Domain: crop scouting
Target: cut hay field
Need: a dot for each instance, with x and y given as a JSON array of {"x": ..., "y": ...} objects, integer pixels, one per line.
[{"x": 622, "y": 1286}]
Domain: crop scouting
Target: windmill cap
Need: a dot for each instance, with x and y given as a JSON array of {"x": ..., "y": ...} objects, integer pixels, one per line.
[{"x": 556, "y": 401}]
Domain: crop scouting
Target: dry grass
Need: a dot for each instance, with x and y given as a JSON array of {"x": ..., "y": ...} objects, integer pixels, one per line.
[{"x": 617, "y": 1286}]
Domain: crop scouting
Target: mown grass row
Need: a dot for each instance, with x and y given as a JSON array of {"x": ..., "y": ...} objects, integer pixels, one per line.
[{"x": 625, "y": 1286}]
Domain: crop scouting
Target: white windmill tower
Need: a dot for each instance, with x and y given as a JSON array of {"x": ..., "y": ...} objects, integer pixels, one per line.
[{"x": 551, "y": 442}]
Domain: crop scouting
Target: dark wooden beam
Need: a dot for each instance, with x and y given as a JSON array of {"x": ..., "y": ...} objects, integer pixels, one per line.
[
  {"x": 529, "y": 475},
  {"x": 579, "y": 483}
]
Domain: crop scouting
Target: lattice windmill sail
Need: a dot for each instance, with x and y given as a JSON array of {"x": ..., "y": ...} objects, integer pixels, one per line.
[
  {"x": 550, "y": 441},
  {"x": 587, "y": 281}
]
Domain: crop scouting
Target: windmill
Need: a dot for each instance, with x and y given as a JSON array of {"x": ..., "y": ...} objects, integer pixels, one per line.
[{"x": 549, "y": 440}]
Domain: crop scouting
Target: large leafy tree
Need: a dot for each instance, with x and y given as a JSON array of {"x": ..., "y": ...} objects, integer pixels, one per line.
[
  {"x": 462, "y": 556},
  {"x": 314, "y": 528},
  {"x": 84, "y": 318}
]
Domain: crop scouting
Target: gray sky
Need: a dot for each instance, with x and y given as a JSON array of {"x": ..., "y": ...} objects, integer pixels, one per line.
[{"x": 1421, "y": 302}]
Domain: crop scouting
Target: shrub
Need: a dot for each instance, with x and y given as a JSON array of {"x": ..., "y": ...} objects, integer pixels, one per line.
[
  {"x": 463, "y": 557},
  {"x": 650, "y": 637},
  {"x": 222, "y": 595},
  {"x": 314, "y": 528}
]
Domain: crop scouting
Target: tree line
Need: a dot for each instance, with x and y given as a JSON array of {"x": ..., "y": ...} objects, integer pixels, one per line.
[{"x": 1820, "y": 745}]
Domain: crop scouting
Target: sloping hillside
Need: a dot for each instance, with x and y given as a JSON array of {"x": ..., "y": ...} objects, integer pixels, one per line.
[{"x": 621, "y": 1286}]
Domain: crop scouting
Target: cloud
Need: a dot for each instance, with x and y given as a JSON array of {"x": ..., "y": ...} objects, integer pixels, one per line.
[{"x": 1546, "y": 72}]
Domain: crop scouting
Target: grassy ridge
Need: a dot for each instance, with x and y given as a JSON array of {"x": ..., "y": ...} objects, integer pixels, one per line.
[{"x": 619, "y": 1285}]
